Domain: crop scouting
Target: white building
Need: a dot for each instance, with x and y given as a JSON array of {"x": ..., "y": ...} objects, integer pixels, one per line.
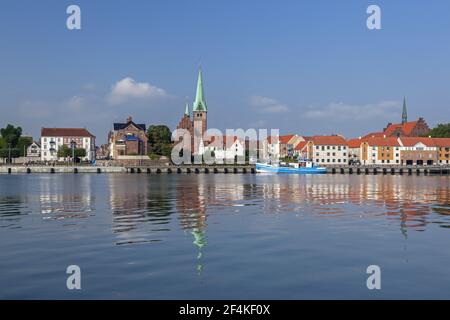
[
  {"x": 34, "y": 151},
  {"x": 224, "y": 149},
  {"x": 328, "y": 150},
  {"x": 380, "y": 151},
  {"x": 53, "y": 138}
]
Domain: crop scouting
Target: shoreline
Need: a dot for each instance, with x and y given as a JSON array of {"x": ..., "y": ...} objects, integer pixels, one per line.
[{"x": 221, "y": 169}]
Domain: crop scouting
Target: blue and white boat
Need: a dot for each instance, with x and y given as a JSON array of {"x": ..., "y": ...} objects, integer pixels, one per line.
[{"x": 303, "y": 166}]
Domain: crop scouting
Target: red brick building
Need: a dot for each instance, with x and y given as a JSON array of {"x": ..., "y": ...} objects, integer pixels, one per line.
[{"x": 128, "y": 139}]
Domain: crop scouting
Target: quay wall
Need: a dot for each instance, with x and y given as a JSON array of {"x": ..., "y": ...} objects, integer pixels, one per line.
[{"x": 224, "y": 169}]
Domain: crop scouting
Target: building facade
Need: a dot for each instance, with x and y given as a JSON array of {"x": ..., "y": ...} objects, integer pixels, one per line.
[
  {"x": 198, "y": 124},
  {"x": 34, "y": 151},
  {"x": 128, "y": 139},
  {"x": 54, "y": 138},
  {"x": 380, "y": 151},
  {"x": 328, "y": 150}
]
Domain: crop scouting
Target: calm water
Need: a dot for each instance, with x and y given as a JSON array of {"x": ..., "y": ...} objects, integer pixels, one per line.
[{"x": 224, "y": 236}]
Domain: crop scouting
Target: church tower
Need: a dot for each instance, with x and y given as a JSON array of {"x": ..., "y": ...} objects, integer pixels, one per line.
[
  {"x": 199, "y": 108},
  {"x": 404, "y": 113}
]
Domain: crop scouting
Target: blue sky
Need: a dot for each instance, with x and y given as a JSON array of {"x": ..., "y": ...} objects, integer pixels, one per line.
[{"x": 307, "y": 67}]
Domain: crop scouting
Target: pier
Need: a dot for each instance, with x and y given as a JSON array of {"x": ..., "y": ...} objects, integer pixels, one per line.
[{"x": 221, "y": 169}]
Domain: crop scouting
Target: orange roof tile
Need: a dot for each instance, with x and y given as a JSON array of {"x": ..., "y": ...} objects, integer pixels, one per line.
[
  {"x": 329, "y": 140},
  {"x": 382, "y": 142},
  {"x": 300, "y": 145},
  {"x": 412, "y": 141},
  {"x": 285, "y": 139},
  {"x": 354, "y": 143},
  {"x": 442, "y": 142}
]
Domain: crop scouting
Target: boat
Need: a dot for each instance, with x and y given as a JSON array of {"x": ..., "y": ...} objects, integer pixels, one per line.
[{"x": 303, "y": 166}]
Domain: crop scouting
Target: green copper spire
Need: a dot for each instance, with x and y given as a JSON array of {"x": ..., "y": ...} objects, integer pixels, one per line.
[
  {"x": 186, "y": 112},
  {"x": 404, "y": 113},
  {"x": 199, "y": 103}
]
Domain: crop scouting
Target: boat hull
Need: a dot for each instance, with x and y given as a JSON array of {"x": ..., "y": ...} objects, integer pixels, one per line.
[{"x": 264, "y": 168}]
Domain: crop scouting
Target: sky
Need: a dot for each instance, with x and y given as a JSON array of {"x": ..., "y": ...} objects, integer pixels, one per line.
[{"x": 306, "y": 67}]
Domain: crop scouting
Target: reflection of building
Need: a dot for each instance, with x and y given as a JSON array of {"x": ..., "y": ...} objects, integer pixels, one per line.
[
  {"x": 54, "y": 138},
  {"x": 128, "y": 139}
]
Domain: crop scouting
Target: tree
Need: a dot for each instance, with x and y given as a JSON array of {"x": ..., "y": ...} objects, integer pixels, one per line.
[
  {"x": 11, "y": 135},
  {"x": 441, "y": 131},
  {"x": 160, "y": 140},
  {"x": 23, "y": 144},
  {"x": 80, "y": 152},
  {"x": 64, "y": 151}
]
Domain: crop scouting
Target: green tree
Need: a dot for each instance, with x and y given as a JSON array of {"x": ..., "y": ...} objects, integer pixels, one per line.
[
  {"x": 160, "y": 140},
  {"x": 80, "y": 152},
  {"x": 23, "y": 144},
  {"x": 3, "y": 143},
  {"x": 11, "y": 135},
  {"x": 441, "y": 131},
  {"x": 64, "y": 151}
]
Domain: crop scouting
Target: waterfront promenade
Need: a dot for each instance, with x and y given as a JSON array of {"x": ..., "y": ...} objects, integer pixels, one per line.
[{"x": 221, "y": 169}]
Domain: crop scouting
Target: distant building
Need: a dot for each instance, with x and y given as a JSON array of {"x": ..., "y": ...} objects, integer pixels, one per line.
[
  {"x": 53, "y": 138},
  {"x": 288, "y": 144},
  {"x": 416, "y": 128},
  {"x": 270, "y": 149},
  {"x": 380, "y": 151},
  {"x": 418, "y": 151},
  {"x": 328, "y": 150},
  {"x": 128, "y": 139},
  {"x": 443, "y": 145},
  {"x": 196, "y": 126},
  {"x": 34, "y": 151},
  {"x": 226, "y": 148}
]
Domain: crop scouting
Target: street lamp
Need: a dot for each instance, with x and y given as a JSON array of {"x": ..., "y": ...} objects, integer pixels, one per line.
[{"x": 73, "y": 145}]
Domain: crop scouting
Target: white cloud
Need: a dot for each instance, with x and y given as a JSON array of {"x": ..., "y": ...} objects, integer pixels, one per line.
[
  {"x": 128, "y": 89},
  {"x": 268, "y": 105},
  {"x": 342, "y": 111}
]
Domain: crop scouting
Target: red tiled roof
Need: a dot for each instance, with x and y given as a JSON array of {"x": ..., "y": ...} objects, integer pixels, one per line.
[
  {"x": 374, "y": 134},
  {"x": 354, "y": 143},
  {"x": 300, "y": 145},
  {"x": 383, "y": 142},
  {"x": 285, "y": 139},
  {"x": 407, "y": 128},
  {"x": 442, "y": 142},
  {"x": 65, "y": 132},
  {"x": 329, "y": 140},
  {"x": 412, "y": 141}
]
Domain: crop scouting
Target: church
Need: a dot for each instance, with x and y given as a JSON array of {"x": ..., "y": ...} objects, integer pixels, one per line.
[
  {"x": 197, "y": 124},
  {"x": 417, "y": 128}
]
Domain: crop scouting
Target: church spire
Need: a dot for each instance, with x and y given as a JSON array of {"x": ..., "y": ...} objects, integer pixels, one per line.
[
  {"x": 200, "y": 103},
  {"x": 404, "y": 113},
  {"x": 186, "y": 111}
]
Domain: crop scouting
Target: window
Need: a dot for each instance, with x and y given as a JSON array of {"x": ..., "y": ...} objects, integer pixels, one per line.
[{"x": 344, "y": 160}]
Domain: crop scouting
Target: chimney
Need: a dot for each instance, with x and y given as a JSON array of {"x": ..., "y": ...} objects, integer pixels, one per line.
[
  {"x": 129, "y": 119},
  {"x": 359, "y": 138},
  {"x": 384, "y": 136}
]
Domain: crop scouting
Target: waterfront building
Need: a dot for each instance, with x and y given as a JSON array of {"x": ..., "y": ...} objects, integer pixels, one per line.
[
  {"x": 328, "y": 150},
  {"x": 53, "y": 138},
  {"x": 196, "y": 126},
  {"x": 270, "y": 149},
  {"x": 418, "y": 151},
  {"x": 301, "y": 150},
  {"x": 379, "y": 151},
  {"x": 225, "y": 148},
  {"x": 288, "y": 144},
  {"x": 128, "y": 139},
  {"x": 443, "y": 145},
  {"x": 34, "y": 151}
]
